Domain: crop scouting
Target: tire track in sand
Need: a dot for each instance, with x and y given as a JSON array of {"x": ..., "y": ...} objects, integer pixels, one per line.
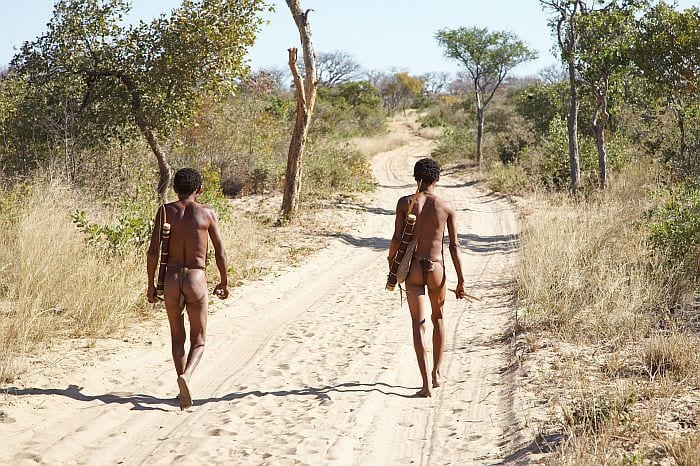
[{"x": 313, "y": 367}]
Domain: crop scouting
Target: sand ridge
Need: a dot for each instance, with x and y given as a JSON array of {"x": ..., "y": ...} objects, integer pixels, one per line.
[{"x": 315, "y": 366}]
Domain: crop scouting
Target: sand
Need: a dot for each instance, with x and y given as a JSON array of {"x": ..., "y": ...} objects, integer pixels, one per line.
[{"x": 313, "y": 366}]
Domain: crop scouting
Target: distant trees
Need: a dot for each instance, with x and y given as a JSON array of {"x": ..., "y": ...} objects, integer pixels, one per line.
[
  {"x": 336, "y": 67},
  {"x": 400, "y": 90},
  {"x": 487, "y": 57},
  {"x": 89, "y": 64}
]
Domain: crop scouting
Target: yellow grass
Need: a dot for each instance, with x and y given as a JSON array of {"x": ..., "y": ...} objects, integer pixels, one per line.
[
  {"x": 373, "y": 145},
  {"x": 626, "y": 371},
  {"x": 53, "y": 284}
]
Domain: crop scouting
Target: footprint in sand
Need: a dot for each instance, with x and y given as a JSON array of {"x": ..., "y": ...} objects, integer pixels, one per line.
[
  {"x": 25, "y": 455},
  {"x": 221, "y": 433}
]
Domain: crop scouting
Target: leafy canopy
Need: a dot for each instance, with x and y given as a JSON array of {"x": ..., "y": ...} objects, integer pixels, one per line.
[
  {"x": 160, "y": 67},
  {"x": 487, "y": 56}
]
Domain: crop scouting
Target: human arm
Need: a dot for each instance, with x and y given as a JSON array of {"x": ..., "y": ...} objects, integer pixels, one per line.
[
  {"x": 398, "y": 230},
  {"x": 221, "y": 290},
  {"x": 455, "y": 252},
  {"x": 152, "y": 259}
]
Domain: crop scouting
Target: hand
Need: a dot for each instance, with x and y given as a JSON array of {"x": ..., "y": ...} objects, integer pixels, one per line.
[
  {"x": 221, "y": 290},
  {"x": 459, "y": 291},
  {"x": 151, "y": 294}
]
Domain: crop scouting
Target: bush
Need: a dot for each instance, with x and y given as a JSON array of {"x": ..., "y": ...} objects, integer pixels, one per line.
[
  {"x": 674, "y": 227},
  {"x": 453, "y": 145},
  {"x": 334, "y": 168}
]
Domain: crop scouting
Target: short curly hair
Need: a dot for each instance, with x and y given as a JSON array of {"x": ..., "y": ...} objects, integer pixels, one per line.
[
  {"x": 426, "y": 171},
  {"x": 187, "y": 181}
]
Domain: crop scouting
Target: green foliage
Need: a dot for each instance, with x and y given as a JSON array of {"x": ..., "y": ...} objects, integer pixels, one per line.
[
  {"x": 349, "y": 109},
  {"x": 91, "y": 80},
  {"x": 591, "y": 414},
  {"x": 431, "y": 120},
  {"x": 456, "y": 143},
  {"x": 632, "y": 459},
  {"x": 509, "y": 179},
  {"x": 334, "y": 168},
  {"x": 541, "y": 103},
  {"x": 674, "y": 226},
  {"x": 212, "y": 195},
  {"x": 130, "y": 231}
]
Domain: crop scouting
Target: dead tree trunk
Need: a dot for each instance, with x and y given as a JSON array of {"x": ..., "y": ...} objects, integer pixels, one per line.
[{"x": 305, "y": 91}]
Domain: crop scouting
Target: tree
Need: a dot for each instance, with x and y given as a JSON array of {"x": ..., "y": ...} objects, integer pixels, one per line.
[
  {"x": 668, "y": 53},
  {"x": 487, "y": 57},
  {"x": 563, "y": 24},
  {"x": 435, "y": 82},
  {"x": 605, "y": 41},
  {"x": 150, "y": 75},
  {"x": 305, "y": 91},
  {"x": 400, "y": 89},
  {"x": 336, "y": 67}
]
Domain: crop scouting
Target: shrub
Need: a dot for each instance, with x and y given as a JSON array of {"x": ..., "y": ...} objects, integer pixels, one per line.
[
  {"x": 453, "y": 145},
  {"x": 674, "y": 226}
]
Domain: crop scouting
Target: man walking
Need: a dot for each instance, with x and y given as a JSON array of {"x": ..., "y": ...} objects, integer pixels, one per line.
[
  {"x": 427, "y": 270},
  {"x": 185, "y": 277}
]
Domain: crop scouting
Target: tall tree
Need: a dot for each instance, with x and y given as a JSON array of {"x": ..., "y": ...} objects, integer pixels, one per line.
[
  {"x": 400, "y": 89},
  {"x": 564, "y": 25},
  {"x": 149, "y": 75},
  {"x": 668, "y": 53},
  {"x": 606, "y": 38},
  {"x": 305, "y": 91},
  {"x": 487, "y": 57}
]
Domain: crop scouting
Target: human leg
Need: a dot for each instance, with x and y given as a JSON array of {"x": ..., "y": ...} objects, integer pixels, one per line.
[
  {"x": 194, "y": 287},
  {"x": 176, "y": 320},
  {"x": 415, "y": 296},
  {"x": 436, "y": 294}
]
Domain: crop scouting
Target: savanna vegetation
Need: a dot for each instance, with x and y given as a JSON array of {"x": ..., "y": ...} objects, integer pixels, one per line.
[
  {"x": 96, "y": 114},
  {"x": 603, "y": 155}
]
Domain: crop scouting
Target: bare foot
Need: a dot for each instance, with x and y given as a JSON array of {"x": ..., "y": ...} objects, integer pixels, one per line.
[
  {"x": 423, "y": 393},
  {"x": 185, "y": 397},
  {"x": 438, "y": 380}
]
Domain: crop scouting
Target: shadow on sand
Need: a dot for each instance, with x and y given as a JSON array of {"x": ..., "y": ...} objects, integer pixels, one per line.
[{"x": 142, "y": 402}]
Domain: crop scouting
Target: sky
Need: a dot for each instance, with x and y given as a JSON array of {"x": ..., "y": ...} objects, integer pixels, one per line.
[{"x": 380, "y": 34}]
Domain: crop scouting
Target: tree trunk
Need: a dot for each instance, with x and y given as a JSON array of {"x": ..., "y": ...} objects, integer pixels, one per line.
[
  {"x": 164, "y": 170},
  {"x": 306, "y": 97},
  {"x": 479, "y": 134},
  {"x": 572, "y": 127},
  {"x": 599, "y": 121},
  {"x": 292, "y": 185}
]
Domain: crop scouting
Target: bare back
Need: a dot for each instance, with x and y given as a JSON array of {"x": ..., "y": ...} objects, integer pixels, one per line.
[
  {"x": 432, "y": 213},
  {"x": 189, "y": 229}
]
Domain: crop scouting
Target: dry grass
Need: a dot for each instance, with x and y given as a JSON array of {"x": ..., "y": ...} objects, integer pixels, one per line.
[
  {"x": 586, "y": 272},
  {"x": 52, "y": 284},
  {"x": 373, "y": 145},
  {"x": 627, "y": 368},
  {"x": 685, "y": 450}
]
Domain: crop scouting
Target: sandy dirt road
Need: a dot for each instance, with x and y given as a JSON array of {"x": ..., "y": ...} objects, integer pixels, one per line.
[{"x": 315, "y": 366}]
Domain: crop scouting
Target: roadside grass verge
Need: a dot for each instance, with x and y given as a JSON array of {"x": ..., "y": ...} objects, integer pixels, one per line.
[{"x": 611, "y": 322}]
